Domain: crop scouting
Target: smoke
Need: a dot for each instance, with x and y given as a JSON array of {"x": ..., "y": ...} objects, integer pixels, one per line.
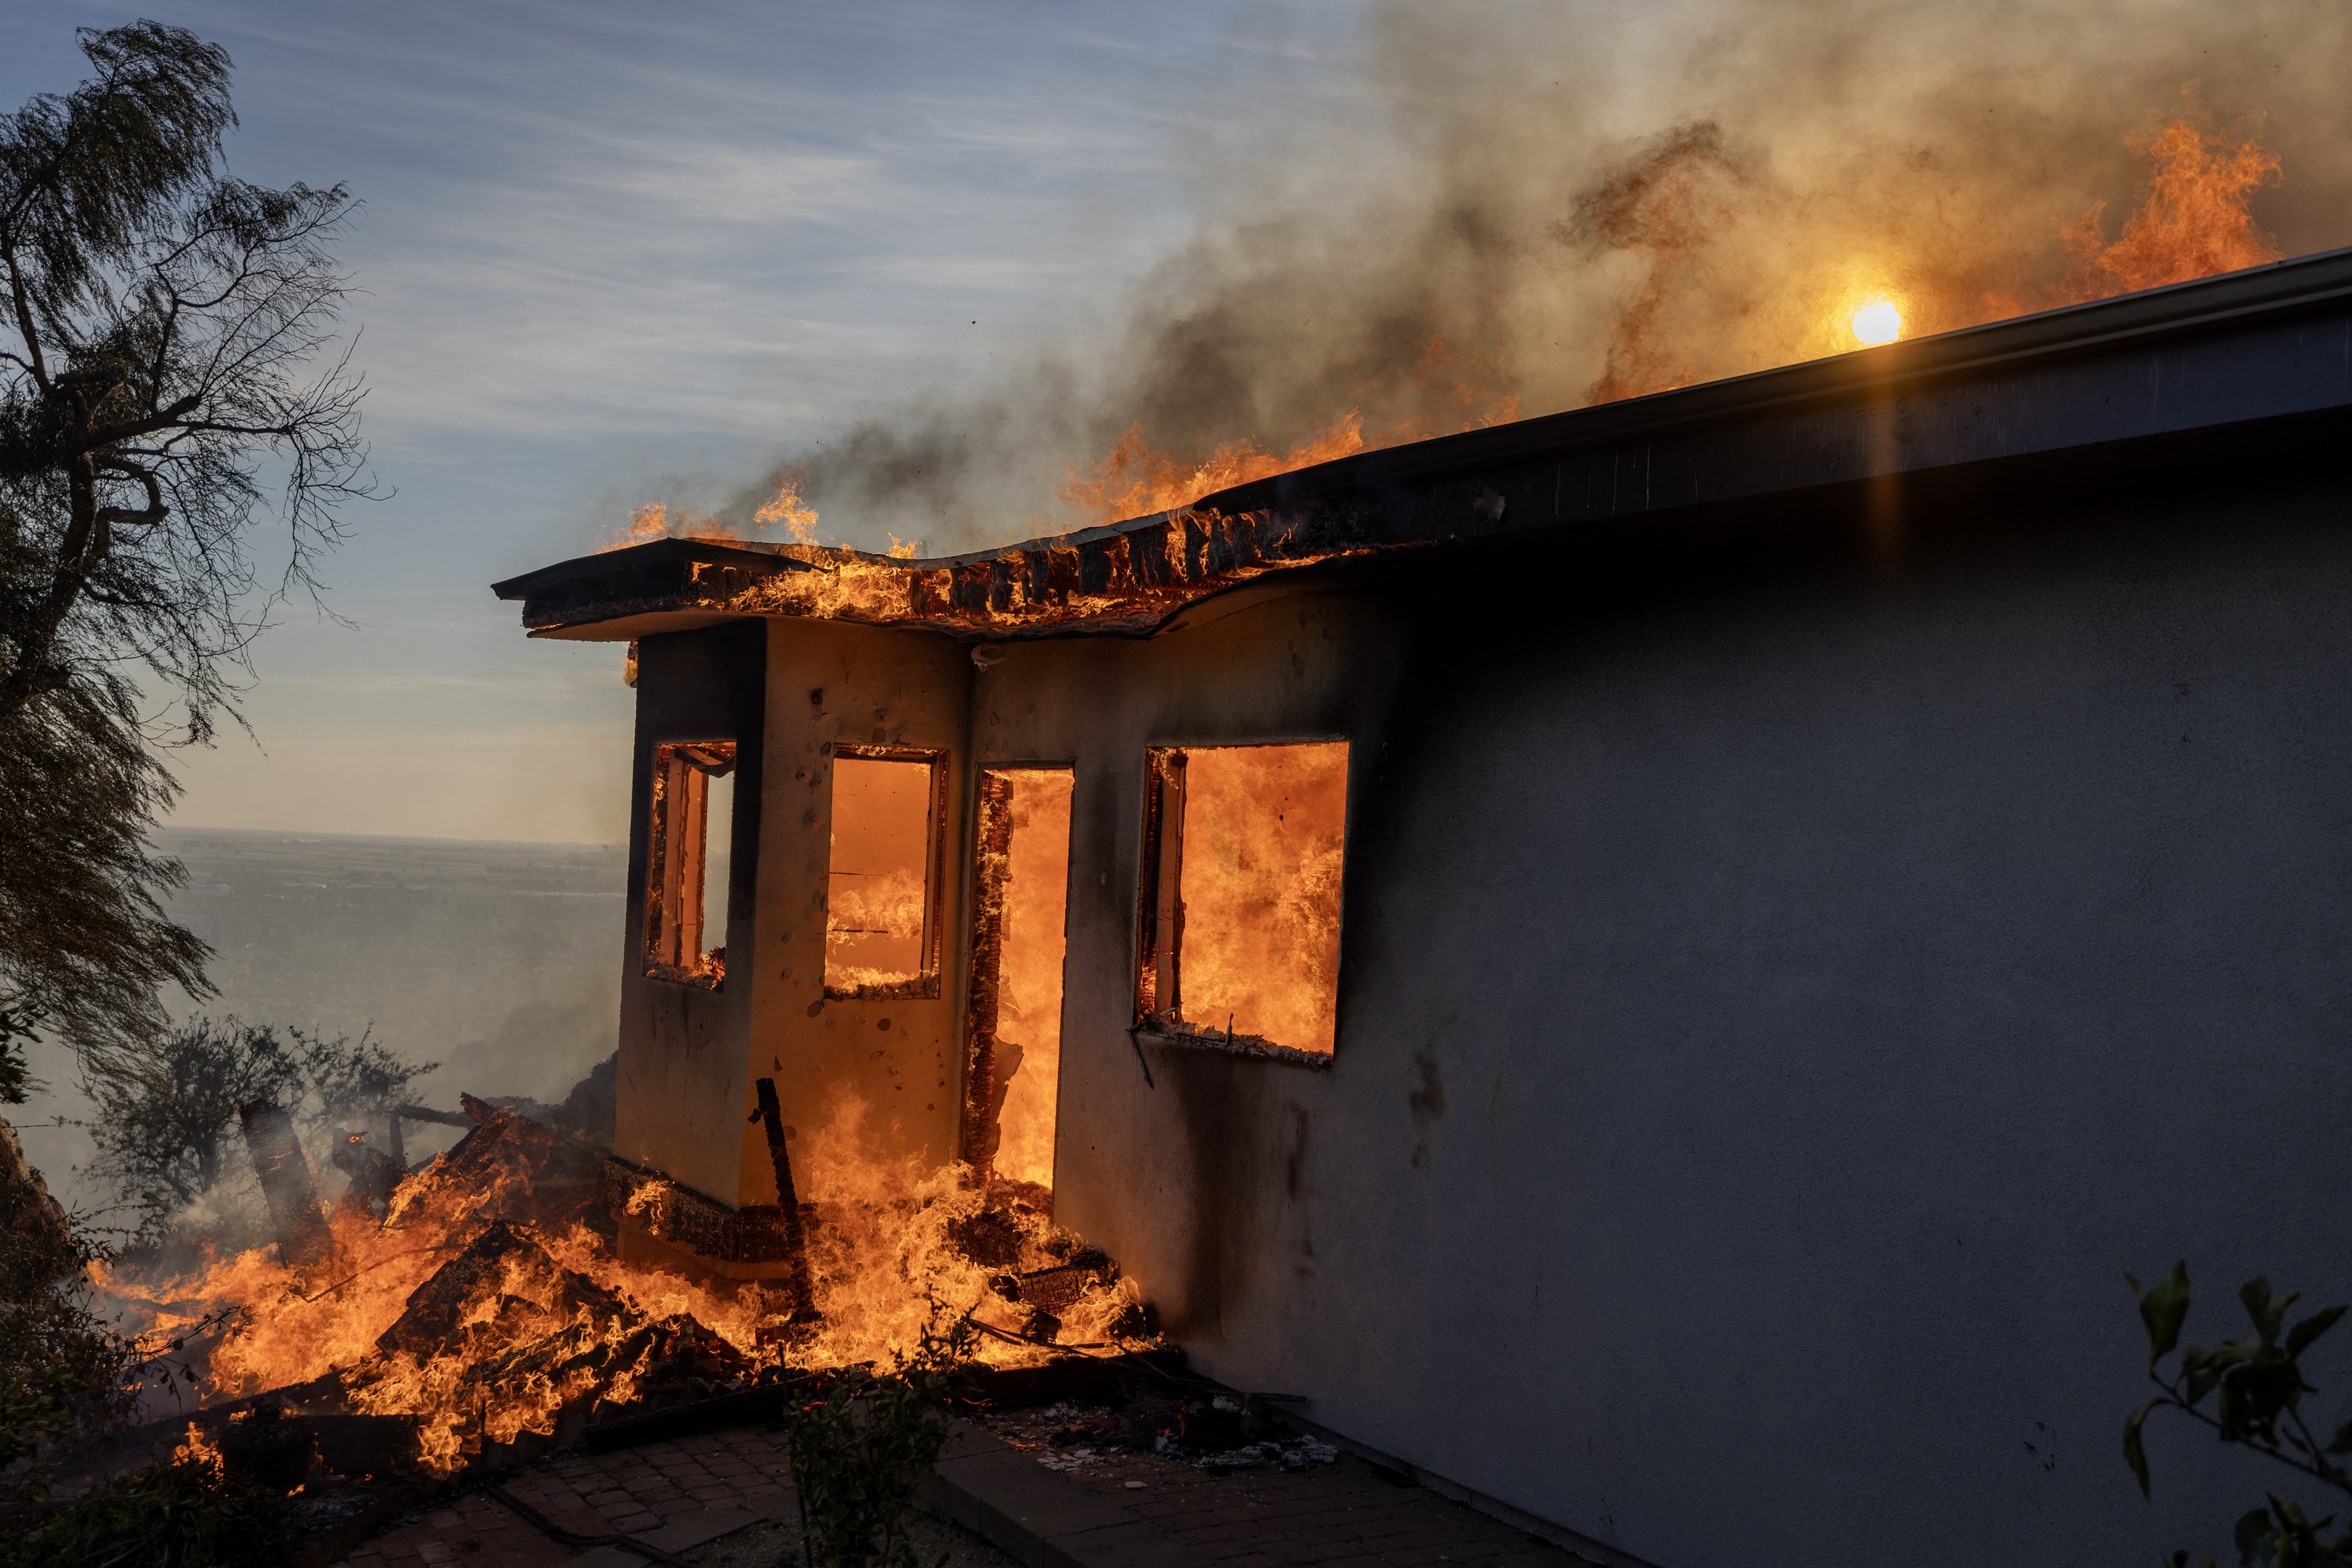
[{"x": 1512, "y": 208}]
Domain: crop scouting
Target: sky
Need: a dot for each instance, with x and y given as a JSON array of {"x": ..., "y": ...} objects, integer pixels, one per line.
[
  {"x": 610, "y": 251},
  {"x": 616, "y": 252}
]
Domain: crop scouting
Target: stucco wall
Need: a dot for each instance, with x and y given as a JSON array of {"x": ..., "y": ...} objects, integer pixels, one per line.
[
  {"x": 787, "y": 691},
  {"x": 1788, "y": 977},
  {"x": 683, "y": 1047},
  {"x": 858, "y": 1080}
]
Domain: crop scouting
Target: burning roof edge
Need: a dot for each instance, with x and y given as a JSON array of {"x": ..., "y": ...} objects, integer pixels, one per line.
[{"x": 2241, "y": 347}]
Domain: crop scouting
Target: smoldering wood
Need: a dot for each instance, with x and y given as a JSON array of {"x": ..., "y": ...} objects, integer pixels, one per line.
[
  {"x": 427, "y": 1113},
  {"x": 303, "y": 1238}
]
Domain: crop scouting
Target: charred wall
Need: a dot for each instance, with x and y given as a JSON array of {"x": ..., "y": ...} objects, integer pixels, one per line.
[
  {"x": 1794, "y": 962},
  {"x": 683, "y": 1046}
]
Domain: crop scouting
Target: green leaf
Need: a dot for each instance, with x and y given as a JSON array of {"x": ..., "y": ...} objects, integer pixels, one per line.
[
  {"x": 2163, "y": 1308},
  {"x": 2267, "y": 1312},
  {"x": 2135, "y": 1452},
  {"x": 2253, "y": 1534},
  {"x": 2299, "y": 1338}
]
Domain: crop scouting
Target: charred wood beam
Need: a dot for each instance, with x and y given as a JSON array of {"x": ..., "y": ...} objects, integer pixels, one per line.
[
  {"x": 788, "y": 1202},
  {"x": 983, "y": 1092},
  {"x": 427, "y": 1113},
  {"x": 303, "y": 1238}
]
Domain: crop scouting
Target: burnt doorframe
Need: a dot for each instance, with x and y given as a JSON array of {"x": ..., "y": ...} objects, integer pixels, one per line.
[{"x": 991, "y": 841}]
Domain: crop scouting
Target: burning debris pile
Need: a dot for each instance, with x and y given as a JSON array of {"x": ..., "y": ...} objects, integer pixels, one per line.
[{"x": 477, "y": 1307}]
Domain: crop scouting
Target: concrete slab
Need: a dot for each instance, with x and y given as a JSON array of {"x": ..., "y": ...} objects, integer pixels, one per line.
[
  {"x": 1041, "y": 1519},
  {"x": 688, "y": 1530},
  {"x": 609, "y": 1557}
]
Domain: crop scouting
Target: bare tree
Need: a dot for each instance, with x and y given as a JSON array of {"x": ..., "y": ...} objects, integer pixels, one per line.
[{"x": 167, "y": 377}]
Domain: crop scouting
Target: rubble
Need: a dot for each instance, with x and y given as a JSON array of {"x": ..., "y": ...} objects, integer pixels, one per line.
[
  {"x": 1214, "y": 1432},
  {"x": 476, "y": 1311}
]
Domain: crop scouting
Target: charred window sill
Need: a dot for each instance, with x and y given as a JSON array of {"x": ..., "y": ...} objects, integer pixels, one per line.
[
  {"x": 1175, "y": 1031},
  {"x": 926, "y": 988},
  {"x": 701, "y": 979}
]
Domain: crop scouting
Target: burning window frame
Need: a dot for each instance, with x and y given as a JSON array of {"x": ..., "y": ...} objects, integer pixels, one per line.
[
  {"x": 923, "y": 986},
  {"x": 1159, "y": 911},
  {"x": 678, "y": 855}
]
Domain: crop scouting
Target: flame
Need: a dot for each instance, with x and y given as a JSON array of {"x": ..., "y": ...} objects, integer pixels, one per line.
[
  {"x": 660, "y": 520},
  {"x": 2193, "y": 221},
  {"x": 878, "y": 879},
  {"x": 786, "y": 507},
  {"x": 1135, "y": 481},
  {"x": 1737, "y": 271},
  {"x": 557, "y": 1321},
  {"x": 1454, "y": 388},
  {"x": 1029, "y": 974},
  {"x": 197, "y": 1447},
  {"x": 1876, "y": 321},
  {"x": 1260, "y": 878}
]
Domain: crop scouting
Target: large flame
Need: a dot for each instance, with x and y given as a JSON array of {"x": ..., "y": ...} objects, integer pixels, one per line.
[
  {"x": 557, "y": 1318},
  {"x": 1133, "y": 480},
  {"x": 2195, "y": 220}
]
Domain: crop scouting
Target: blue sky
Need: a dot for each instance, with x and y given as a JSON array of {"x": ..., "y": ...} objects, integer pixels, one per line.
[
  {"x": 615, "y": 252},
  {"x": 618, "y": 250}
]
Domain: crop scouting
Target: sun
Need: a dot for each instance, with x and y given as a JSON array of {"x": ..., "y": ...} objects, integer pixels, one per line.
[{"x": 1876, "y": 321}]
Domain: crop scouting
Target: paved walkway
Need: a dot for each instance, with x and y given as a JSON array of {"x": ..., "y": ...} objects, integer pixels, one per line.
[
  {"x": 1112, "y": 1509},
  {"x": 1343, "y": 1514},
  {"x": 675, "y": 1495}
]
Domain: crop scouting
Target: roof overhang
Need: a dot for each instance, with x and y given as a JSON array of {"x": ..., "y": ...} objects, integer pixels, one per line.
[{"x": 2265, "y": 344}]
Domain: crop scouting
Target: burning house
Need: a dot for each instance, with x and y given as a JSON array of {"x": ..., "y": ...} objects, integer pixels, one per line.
[{"x": 1654, "y": 965}]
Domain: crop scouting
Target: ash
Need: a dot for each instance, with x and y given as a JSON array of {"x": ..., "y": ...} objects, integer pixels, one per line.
[{"x": 1214, "y": 1433}]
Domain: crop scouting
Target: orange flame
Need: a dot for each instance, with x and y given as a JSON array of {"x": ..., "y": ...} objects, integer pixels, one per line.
[
  {"x": 797, "y": 515},
  {"x": 660, "y": 520},
  {"x": 1134, "y": 481},
  {"x": 561, "y": 1319},
  {"x": 2194, "y": 220}
]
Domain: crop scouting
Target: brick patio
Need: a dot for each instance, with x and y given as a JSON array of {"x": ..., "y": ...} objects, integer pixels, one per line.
[
  {"x": 677, "y": 1495},
  {"x": 683, "y": 1494},
  {"x": 1345, "y": 1514}
]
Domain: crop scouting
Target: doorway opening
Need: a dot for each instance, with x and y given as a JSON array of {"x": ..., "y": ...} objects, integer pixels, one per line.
[{"x": 1013, "y": 1074}]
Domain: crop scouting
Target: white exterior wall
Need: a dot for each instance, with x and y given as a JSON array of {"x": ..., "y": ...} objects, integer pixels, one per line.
[{"x": 1778, "y": 1004}]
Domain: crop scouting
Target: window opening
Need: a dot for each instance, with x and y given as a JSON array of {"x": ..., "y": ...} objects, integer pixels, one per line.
[
  {"x": 1022, "y": 903},
  {"x": 686, "y": 880},
  {"x": 880, "y": 937},
  {"x": 1239, "y": 913}
]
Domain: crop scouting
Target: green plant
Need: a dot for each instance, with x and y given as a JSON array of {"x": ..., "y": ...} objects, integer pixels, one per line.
[
  {"x": 185, "y": 1512},
  {"x": 859, "y": 1452},
  {"x": 2256, "y": 1386},
  {"x": 169, "y": 378}
]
